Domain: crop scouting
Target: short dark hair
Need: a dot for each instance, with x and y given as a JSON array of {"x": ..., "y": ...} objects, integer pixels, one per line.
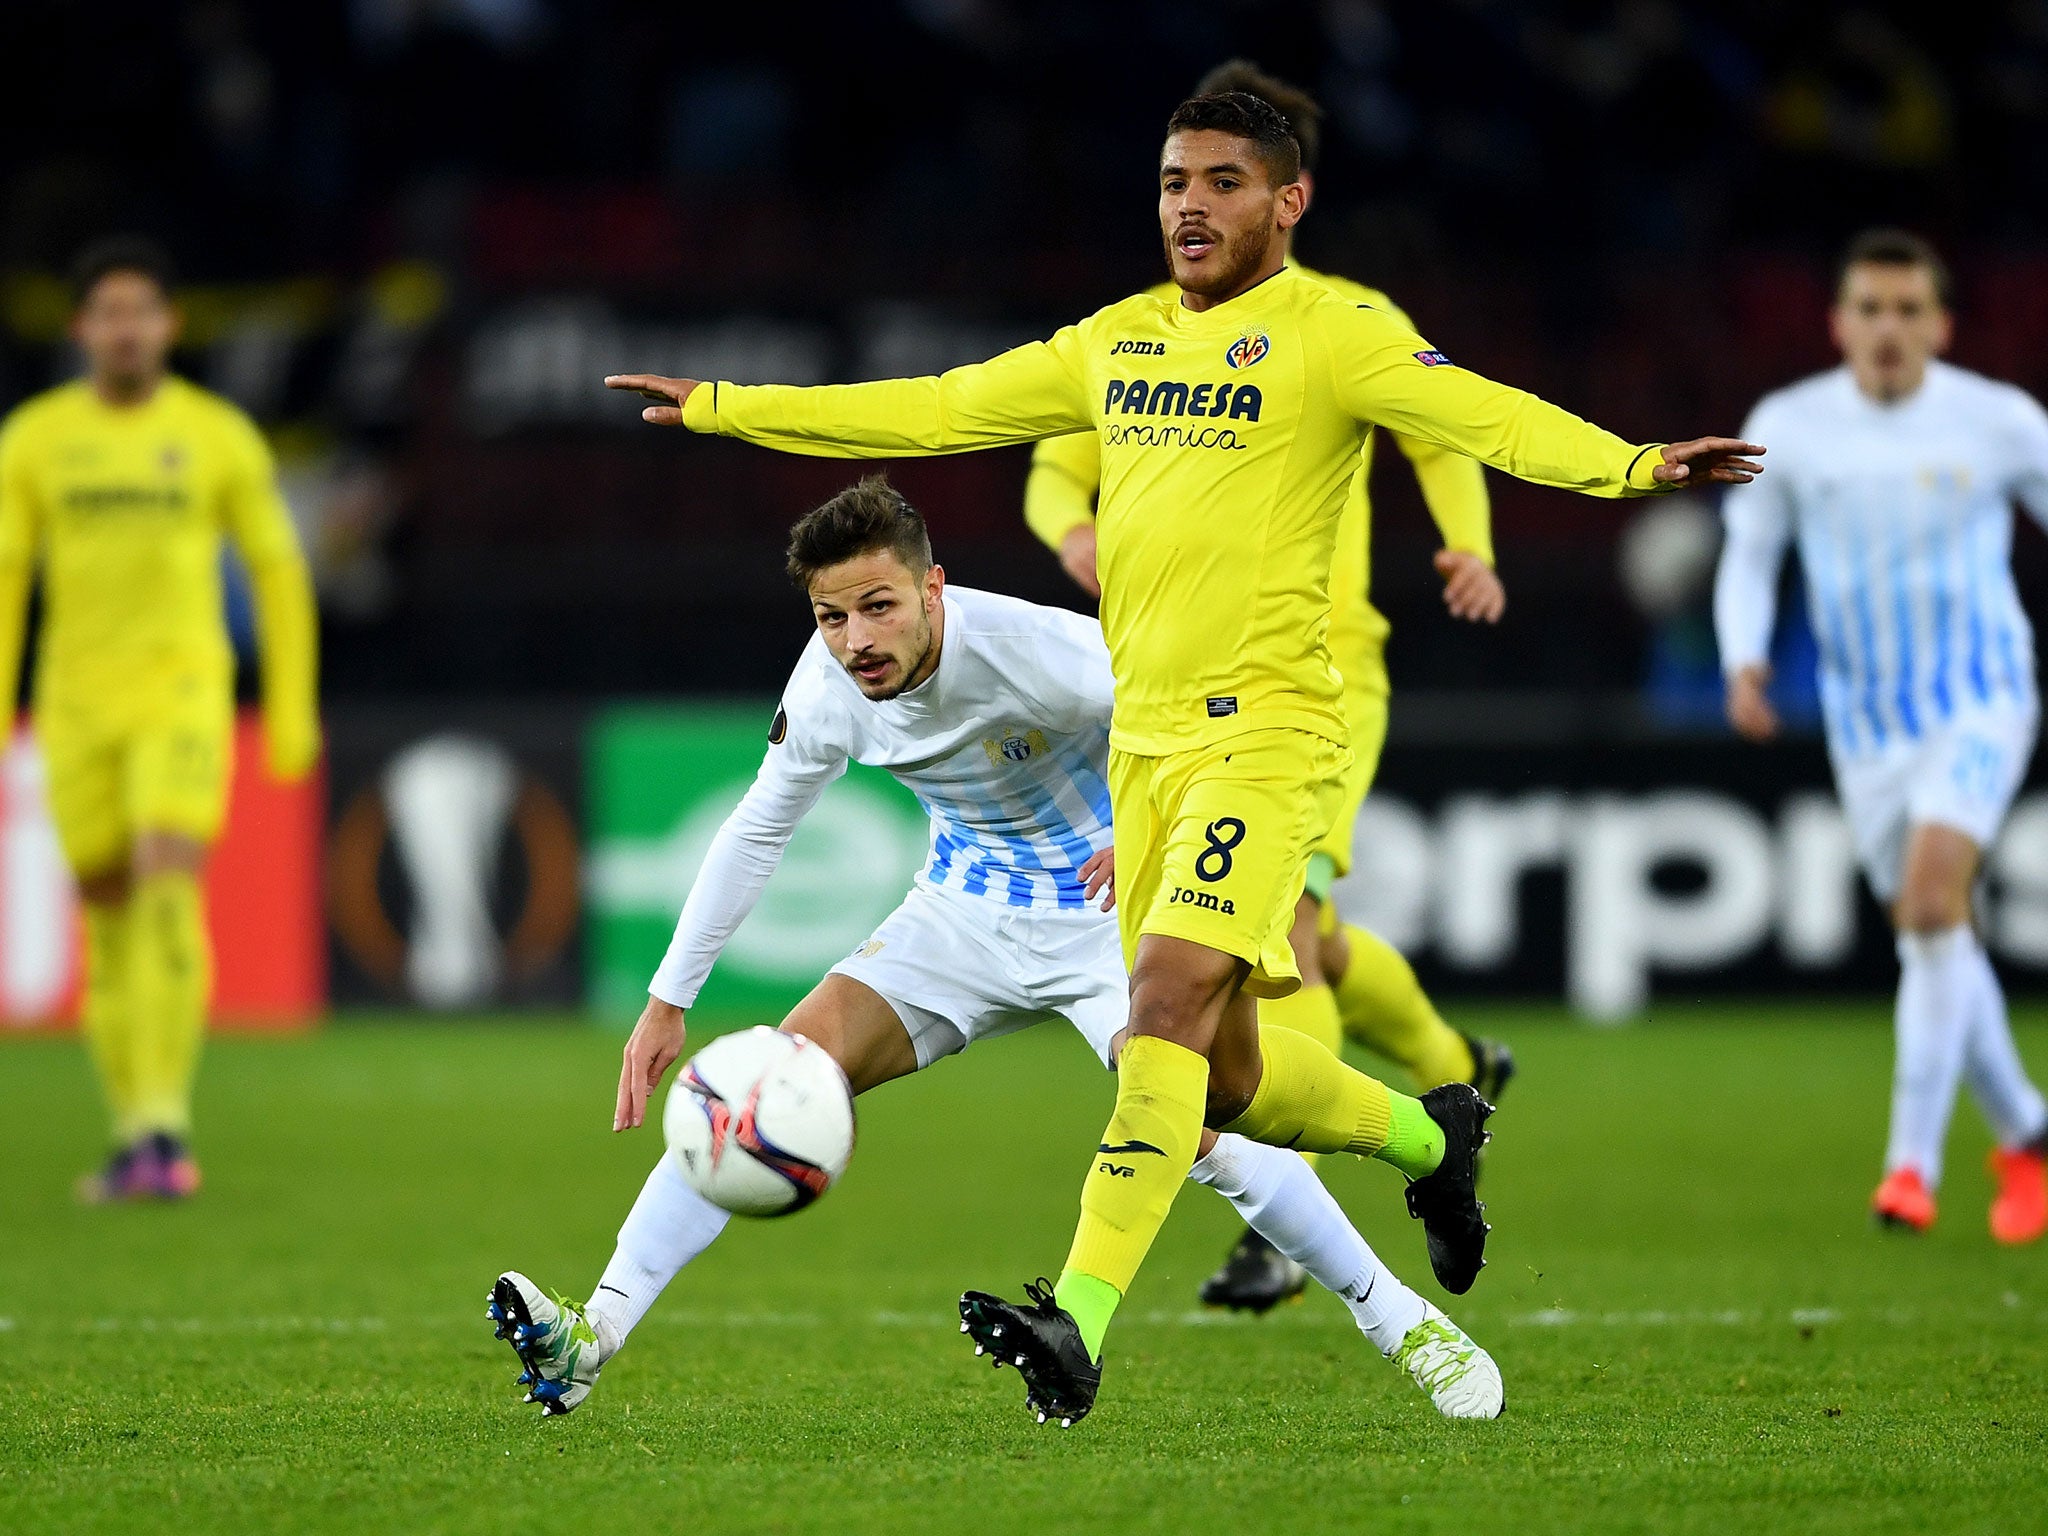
[
  {"x": 1303, "y": 112},
  {"x": 1244, "y": 116},
  {"x": 867, "y": 516},
  {"x": 119, "y": 253},
  {"x": 1896, "y": 248}
]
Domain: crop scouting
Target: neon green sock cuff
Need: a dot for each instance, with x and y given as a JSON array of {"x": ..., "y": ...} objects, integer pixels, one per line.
[
  {"x": 1091, "y": 1303},
  {"x": 1415, "y": 1143},
  {"x": 1322, "y": 875}
]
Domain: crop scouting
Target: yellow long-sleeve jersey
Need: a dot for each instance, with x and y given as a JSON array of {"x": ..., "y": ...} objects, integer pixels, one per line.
[
  {"x": 1066, "y": 476},
  {"x": 124, "y": 507},
  {"x": 1230, "y": 439}
]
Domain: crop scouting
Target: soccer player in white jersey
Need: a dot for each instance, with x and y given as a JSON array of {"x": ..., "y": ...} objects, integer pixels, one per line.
[
  {"x": 995, "y": 713},
  {"x": 1896, "y": 474}
]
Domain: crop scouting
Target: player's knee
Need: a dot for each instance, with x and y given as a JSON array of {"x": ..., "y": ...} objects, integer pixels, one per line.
[
  {"x": 1229, "y": 1095},
  {"x": 853, "y": 1025},
  {"x": 1334, "y": 955},
  {"x": 1175, "y": 1006},
  {"x": 1930, "y": 908}
]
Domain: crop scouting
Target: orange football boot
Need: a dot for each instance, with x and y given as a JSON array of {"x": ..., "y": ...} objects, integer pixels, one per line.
[
  {"x": 1904, "y": 1200},
  {"x": 2020, "y": 1212}
]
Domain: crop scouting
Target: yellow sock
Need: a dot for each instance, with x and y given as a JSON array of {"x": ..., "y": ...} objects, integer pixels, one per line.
[
  {"x": 1143, "y": 1161},
  {"x": 171, "y": 961},
  {"x": 1384, "y": 1008},
  {"x": 1309, "y": 1100},
  {"x": 1310, "y": 1011},
  {"x": 108, "y": 1015}
]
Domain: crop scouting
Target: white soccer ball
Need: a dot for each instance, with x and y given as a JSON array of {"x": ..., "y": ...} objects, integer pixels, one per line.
[{"x": 760, "y": 1122}]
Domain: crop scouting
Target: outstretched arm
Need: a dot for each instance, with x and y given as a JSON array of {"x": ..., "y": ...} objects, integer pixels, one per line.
[
  {"x": 1024, "y": 394},
  {"x": 1385, "y": 373}
]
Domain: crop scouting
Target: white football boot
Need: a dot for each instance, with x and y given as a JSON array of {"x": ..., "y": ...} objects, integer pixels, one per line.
[
  {"x": 1459, "y": 1376},
  {"x": 561, "y": 1350}
]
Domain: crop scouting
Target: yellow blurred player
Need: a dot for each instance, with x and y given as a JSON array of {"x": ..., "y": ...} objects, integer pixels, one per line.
[
  {"x": 1353, "y": 982},
  {"x": 1231, "y": 423},
  {"x": 120, "y": 486}
]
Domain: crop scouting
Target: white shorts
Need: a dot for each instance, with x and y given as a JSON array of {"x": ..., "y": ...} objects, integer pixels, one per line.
[
  {"x": 959, "y": 968},
  {"x": 1963, "y": 774}
]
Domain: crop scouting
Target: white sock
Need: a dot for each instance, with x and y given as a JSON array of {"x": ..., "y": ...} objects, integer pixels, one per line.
[
  {"x": 669, "y": 1225},
  {"x": 1938, "y": 991},
  {"x": 1992, "y": 1067},
  {"x": 1283, "y": 1201}
]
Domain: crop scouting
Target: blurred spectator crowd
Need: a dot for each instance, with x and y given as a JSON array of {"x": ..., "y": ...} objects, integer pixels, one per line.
[{"x": 417, "y": 232}]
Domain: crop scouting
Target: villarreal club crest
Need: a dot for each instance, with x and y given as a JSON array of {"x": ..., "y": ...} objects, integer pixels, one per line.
[{"x": 1248, "y": 349}]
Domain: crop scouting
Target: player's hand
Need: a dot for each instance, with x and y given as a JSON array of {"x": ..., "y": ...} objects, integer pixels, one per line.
[
  {"x": 655, "y": 387},
  {"x": 1708, "y": 461},
  {"x": 1077, "y": 557},
  {"x": 1099, "y": 875},
  {"x": 1472, "y": 589},
  {"x": 1749, "y": 704},
  {"x": 656, "y": 1042}
]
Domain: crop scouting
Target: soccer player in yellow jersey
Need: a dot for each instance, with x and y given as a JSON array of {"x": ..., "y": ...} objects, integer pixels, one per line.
[
  {"x": 1231, "y": 422},
  {"x": 1352, "y": 981},
  {"x": 120, "y": 486}
]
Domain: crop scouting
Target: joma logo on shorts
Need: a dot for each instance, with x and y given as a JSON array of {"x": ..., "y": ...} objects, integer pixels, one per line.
[{"x": 1208, "y": 901}]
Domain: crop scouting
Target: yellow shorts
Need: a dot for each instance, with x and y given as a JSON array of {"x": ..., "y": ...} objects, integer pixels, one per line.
[
  {"x": 1366, "y": 714},
  {"x": 156, "y": 764},
  {"x": 1212, "y": 845}
]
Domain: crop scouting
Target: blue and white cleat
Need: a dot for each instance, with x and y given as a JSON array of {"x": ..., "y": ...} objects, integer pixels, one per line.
[{"x": 560, "y": 1350}]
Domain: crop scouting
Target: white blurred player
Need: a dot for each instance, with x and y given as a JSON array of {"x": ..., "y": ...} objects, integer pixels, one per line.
[
  {"x": 995, "y": 713},
  {"x": 1896, "y": 474}
]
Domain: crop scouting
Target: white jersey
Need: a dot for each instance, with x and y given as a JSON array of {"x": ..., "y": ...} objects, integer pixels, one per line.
[
  {"x": 1903, "y": 516},
  {"x": 1005, "y": 745}
]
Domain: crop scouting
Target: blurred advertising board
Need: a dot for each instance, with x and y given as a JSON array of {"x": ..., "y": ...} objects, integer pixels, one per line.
[
  {"x": 1639, "y": 867},
  {"x": 262, "y": 885},
  {"x": 660, "y": 780},
  {"x": 454, "y": 855}
]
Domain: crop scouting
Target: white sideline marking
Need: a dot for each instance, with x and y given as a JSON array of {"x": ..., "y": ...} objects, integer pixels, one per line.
[
  {"x": 938, "y": 1320},
  {"x": 215, "y": 1325},
  {"x": 1565, "y": 1317}
]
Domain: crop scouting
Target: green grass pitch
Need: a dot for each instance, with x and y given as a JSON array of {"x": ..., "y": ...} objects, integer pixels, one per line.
[{"x": 1699, "y": 1329}]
